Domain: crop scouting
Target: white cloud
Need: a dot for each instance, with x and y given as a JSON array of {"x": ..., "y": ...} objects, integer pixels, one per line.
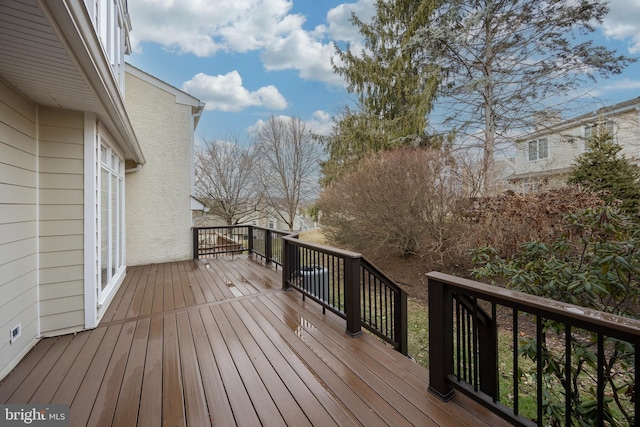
[
  {"x": 339, "y": 20},
  {"x": 623, "y": 23},
  {"x": 623, "y": 84},
  {"x": 298, "y": 51},
  {"x": 205, "y": 27},
  {"x": 319, "y": 124},
  {"x": 227, "y": 93}
]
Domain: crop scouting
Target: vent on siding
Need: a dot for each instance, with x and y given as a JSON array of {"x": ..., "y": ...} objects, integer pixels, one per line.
[{"x": 16, "y": 332}]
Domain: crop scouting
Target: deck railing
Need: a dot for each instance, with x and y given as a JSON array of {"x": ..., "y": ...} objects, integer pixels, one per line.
[
  {"x": 347, "y": 284},
  {"x": 223, "y": 240},
  {"x": 547, "y": 354},
  {"x": 341, "y": 281}
]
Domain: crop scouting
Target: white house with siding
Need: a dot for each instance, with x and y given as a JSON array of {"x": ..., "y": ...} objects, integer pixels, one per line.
[
  {"x": 74, "y": 151},
  {"x": 544, "y": 157}
]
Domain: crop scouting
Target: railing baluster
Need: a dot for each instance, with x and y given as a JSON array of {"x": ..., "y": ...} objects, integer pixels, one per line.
[
  {"x": 567, "y": 374},
  {"x": 474, "y": 331},
  {"x": 515, "y": 376},
  {"x": 601, "y": 383},
  {"x": 458, "y": 332},
  {"x": 539, "y": 338}
]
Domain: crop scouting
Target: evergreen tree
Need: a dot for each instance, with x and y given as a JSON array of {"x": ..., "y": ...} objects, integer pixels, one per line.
[
  {"x": 603, "y": 168},
  {"x": 394, "y": 93}
]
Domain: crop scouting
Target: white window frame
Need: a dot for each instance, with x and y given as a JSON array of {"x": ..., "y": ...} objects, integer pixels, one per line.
[
  {"x": 534, "y": 149},
  {"x": 588, "y": 129},
  {"x": 113, "y": 166},
  {"x": 96, "y": 297}
]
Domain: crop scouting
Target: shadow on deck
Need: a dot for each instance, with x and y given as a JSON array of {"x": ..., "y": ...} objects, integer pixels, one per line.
[{"x": 218, "y": 342}]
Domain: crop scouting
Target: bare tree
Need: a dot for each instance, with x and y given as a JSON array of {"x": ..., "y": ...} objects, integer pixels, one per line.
[
  {"x": 503, "y": 60},
  {"x": 225, "y": 180},
  {"x": 289, "y": 160}
]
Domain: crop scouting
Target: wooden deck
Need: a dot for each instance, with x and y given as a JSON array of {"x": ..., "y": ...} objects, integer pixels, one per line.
[{"x": 217, "y": 342}]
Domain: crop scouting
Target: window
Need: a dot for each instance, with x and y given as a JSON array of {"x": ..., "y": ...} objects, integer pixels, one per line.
[
  {"x": 539, "y": 149},
  {"x": 271, "y": 224},
  {"x": 111, "y": 208},
  {"x": 594, "y": 129}
]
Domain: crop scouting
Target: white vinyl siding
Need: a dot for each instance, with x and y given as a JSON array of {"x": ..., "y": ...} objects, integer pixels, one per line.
[
  {"x": 18, "y": 226},
  {"x": 61, "y": 198}
]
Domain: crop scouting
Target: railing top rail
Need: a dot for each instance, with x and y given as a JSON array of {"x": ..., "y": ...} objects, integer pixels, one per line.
[
  {"x": 580, "y": 315},
  {"x": 325, "y": 249},
  {"x": 221, "y": 227},
  {"x": 256, "y": 227}
]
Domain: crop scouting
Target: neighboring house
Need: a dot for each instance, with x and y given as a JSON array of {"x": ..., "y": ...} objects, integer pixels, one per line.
[
  {"x": 544, "y": 157},
  {"x": 300, "y": 223},
  {"x": 67, "y": 141}
]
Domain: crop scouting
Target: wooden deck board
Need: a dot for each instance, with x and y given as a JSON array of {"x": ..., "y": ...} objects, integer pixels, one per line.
[
  {"x": 150, "y": 405},
  {"x": 126, "y": 409},
  {"x": 237, "y": 394},
  {"x": 41, "y": 370},
  {"x": 188, "y": 344},
  {"x": 275, "y": 384},
  {"x": 220, "y": 412}
]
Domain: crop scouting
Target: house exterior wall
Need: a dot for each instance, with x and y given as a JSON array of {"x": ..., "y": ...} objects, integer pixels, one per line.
[
  {"x": 61, "y": 212},
  {"x": 158, "y": 196},
  {"x": 566, "y": 141},
  {"x": 18, "y": 226}
]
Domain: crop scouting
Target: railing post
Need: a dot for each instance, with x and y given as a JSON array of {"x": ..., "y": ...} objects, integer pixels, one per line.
[
  {"x": 195, "y": 243},
  {"x": 250, "y": 237},
  {"x": 488, "y": 355},
  {"x": 268, "y": 247},
  {"x": 352, "y": 296},
  {"x": 287, "y": 265},
  {"x": 400, "y": 322},
  {"x": 440, "y": 339}
]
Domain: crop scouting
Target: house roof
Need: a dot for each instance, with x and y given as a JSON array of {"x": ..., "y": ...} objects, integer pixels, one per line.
[
  {"x": 52, "y": 54},
  {"x": 559, "y": 126}
]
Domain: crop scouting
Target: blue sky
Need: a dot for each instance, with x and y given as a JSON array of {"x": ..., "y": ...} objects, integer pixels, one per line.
[{"x": 250, "y": 59}]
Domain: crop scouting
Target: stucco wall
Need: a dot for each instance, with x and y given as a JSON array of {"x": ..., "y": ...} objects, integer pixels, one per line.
[
  {"x": 61, "y": 197},
  {"x": 158, "y": 215},
  {"x": 18, "y": 227}
]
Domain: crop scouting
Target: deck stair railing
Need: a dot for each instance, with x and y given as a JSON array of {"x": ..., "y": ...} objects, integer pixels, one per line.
[
  {"x": 478, "y": 338},
  {"x": 342, "y": 282}
]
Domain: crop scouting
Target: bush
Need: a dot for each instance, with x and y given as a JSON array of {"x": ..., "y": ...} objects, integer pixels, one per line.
[
  {"x": 403, "y": 202},
  {"x": 507, "y": 221},
  {"x": 594, "y": 263}
]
